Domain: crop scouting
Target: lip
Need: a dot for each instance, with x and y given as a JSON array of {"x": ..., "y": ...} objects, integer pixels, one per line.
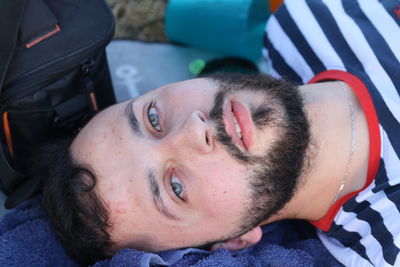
[
  {"x": 237, "y": 109},
  {"x": 243, "y": 117}
]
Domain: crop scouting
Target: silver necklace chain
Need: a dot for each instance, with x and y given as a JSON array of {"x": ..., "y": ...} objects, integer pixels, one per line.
[{"x": 353, "y": 143}]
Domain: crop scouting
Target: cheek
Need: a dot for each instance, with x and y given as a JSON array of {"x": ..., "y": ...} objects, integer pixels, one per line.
[{"x": 223, "y": 188}]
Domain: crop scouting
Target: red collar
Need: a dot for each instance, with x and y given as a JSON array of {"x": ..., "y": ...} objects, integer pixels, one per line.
[{"x": 363, "y": 96}]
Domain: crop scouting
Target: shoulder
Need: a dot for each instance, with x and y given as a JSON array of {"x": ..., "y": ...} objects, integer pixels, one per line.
[{"x": 365, "y": 230}]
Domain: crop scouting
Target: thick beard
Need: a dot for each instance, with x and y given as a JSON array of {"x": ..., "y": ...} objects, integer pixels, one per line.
[{"x": 275, "y": 176}]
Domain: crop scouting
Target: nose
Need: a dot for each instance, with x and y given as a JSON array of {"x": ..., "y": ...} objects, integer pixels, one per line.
[{"x": 193, "y": 133}]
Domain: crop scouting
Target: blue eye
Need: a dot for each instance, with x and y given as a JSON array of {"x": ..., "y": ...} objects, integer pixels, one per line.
[
  {"x": 154, "y": 118},
  {"x": 177, "y": 187}
]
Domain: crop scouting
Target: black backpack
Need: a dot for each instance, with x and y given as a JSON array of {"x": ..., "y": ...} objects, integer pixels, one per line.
[{"x": 54, "y": 76}]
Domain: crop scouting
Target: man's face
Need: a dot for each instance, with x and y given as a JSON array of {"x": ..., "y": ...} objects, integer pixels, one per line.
[{"x": 166, "y": 178}]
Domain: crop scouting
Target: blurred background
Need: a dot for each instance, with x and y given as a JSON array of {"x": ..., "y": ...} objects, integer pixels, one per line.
[
  {"x": 140, "y": 19},
  {"x": 163, "y": 41},
  {"x": 144, "y": 19}
]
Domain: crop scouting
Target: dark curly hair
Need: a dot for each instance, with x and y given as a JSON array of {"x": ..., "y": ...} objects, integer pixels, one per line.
[{"x": 77, "y": 214}]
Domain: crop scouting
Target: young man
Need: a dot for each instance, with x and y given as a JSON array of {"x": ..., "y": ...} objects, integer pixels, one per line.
[{"x": 207, "y": 161}]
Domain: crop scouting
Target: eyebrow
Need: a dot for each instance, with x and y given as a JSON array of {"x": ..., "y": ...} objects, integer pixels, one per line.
[
  {"x": 131, "y": 117},
  {"x": 157, "y": 199}
]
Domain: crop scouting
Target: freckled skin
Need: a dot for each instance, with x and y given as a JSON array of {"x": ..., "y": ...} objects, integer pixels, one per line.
[
  {"x": 212, "y": 179},
  {"x": 121, "y": 210}
]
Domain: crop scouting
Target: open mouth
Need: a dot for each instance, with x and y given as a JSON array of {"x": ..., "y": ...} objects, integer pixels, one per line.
[
  {"x": 237, "y": 128},
  {"x": 238, "y": 124}
]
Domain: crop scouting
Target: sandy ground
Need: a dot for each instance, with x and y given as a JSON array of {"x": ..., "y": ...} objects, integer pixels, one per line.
[{"x": 140, "y": 19}]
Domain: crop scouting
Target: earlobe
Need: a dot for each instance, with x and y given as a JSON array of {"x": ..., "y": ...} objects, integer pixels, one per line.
[{"x": 244, "y": 241}]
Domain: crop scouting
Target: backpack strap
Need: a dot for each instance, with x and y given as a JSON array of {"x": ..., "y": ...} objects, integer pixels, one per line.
[
  {"x": 33, "y": 30},
  {"x": 30, "y": 28},
  {"x": 11, "y": 12}
]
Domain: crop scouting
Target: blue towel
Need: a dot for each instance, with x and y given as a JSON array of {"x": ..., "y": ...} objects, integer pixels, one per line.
[{"x": 26, "y": 239}]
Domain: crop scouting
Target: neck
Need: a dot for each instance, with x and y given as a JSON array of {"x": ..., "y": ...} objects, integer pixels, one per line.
[{"x": 330, "y": 157}]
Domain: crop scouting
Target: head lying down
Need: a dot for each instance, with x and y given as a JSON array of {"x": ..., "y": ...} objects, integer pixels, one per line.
[{"x": 190, "y": 164}]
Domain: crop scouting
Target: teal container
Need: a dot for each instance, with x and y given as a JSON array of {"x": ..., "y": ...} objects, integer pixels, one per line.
[{"x": 230, "y": 27}]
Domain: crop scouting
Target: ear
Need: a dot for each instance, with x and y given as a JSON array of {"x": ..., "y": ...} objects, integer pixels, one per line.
[{"x": 244, "y": 241}]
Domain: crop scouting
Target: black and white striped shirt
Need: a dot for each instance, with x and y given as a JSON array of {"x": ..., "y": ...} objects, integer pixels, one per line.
[{"x": 357, "y": 42}]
